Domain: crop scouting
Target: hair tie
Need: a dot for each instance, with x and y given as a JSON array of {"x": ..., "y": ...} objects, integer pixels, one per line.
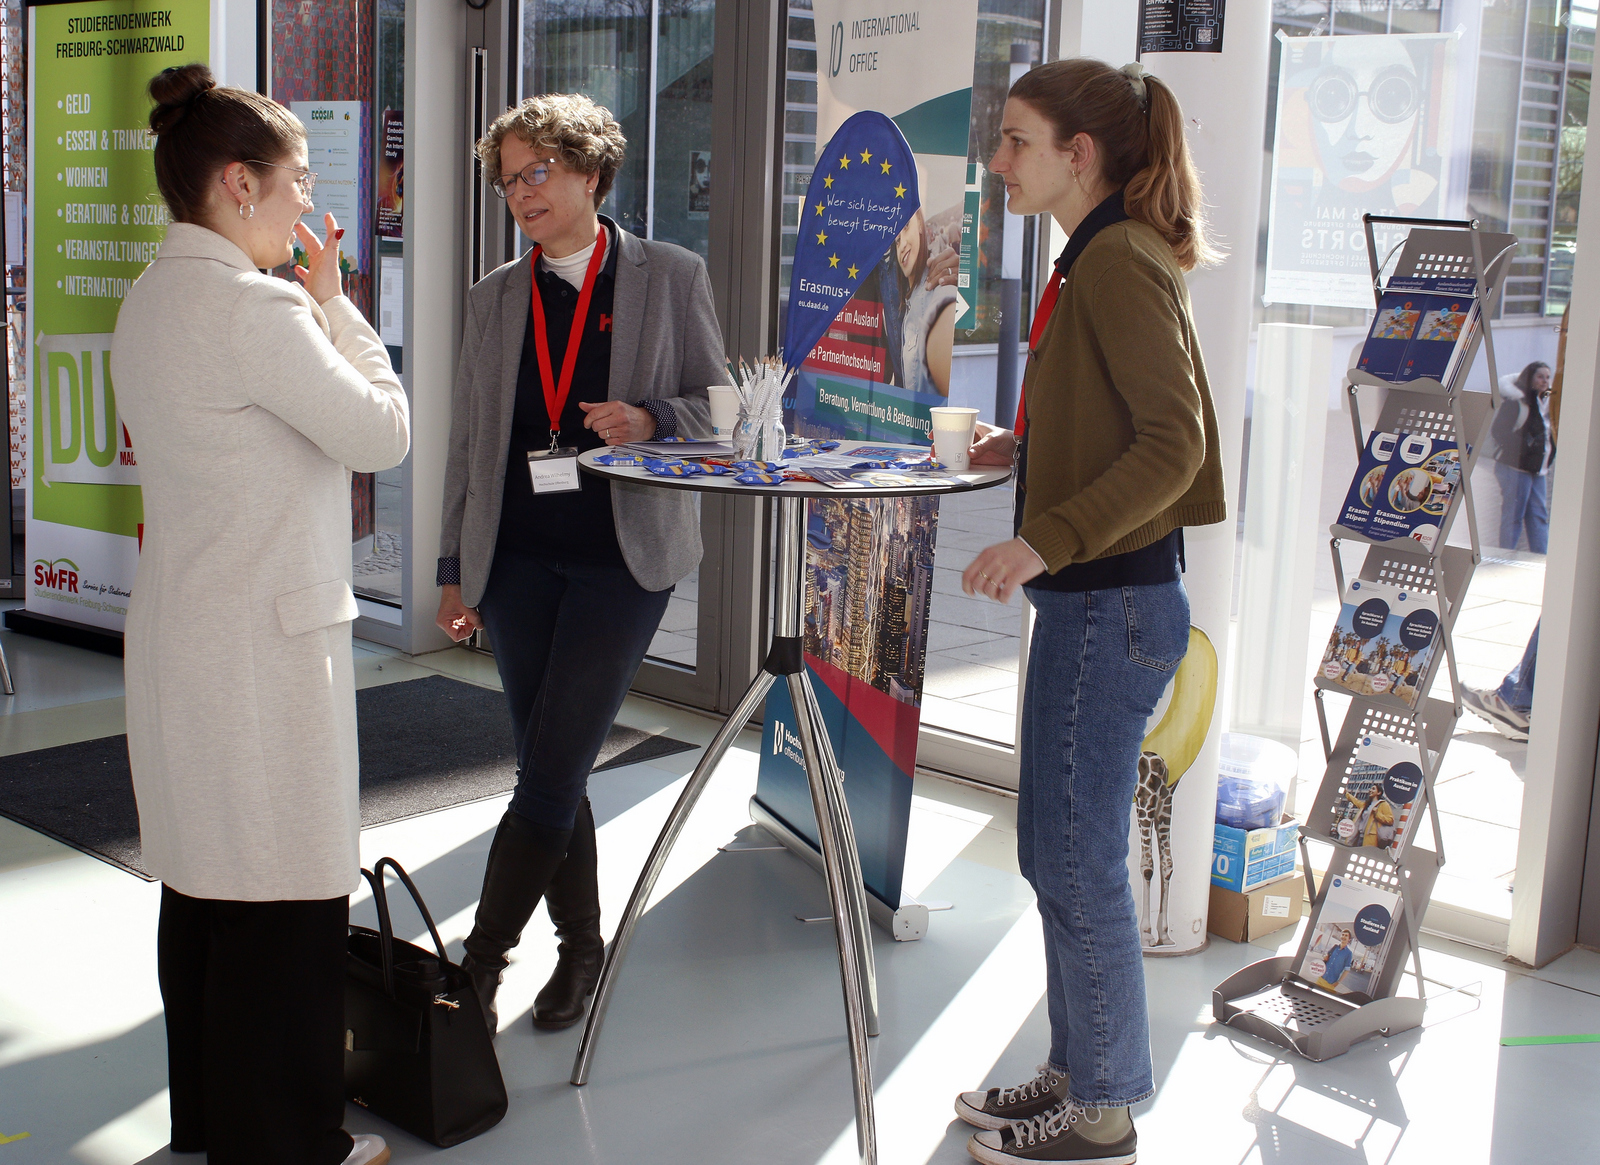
[{"x": 1135, "y": 74}]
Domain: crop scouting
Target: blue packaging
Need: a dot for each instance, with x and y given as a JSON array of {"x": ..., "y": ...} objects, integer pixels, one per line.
[{"x": 1242, "y": 859}]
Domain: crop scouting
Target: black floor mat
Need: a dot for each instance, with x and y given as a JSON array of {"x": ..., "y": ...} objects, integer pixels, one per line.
[{"x": 426, "y": 744}]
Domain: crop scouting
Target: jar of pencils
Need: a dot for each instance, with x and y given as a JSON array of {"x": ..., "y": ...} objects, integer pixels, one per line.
[{"x": 759, "y": 436}]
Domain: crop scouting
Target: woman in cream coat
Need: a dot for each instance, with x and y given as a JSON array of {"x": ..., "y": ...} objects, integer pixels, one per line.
[{"x": 250, "y": 400}]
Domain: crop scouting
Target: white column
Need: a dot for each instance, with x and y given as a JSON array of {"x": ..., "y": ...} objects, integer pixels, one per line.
[
  {"x": 1224, "y": 98},
  {"x": 1284, "y": 529},
  {"x": 1559, "y": 780}
]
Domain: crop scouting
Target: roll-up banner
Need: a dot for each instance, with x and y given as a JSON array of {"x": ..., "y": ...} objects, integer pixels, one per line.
[
  {"x": 881, "y": 363},
  {"x": 95, "y": 220}
]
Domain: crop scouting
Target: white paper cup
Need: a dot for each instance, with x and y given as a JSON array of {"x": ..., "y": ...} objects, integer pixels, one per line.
[
  {"x": 953, "y": 429},
  {"x": 724, "y": 411}
]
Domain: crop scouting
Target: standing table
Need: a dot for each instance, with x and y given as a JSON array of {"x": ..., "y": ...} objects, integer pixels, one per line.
[{"x": 785, "y": 660}]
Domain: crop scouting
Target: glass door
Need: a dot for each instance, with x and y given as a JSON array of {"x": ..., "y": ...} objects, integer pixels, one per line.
[
  {"x": 339, "y": 66},
  {"x": 651, "y": 65}
]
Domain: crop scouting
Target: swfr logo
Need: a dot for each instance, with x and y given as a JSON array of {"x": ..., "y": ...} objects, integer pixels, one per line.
[{"x": 60, "y": 575}]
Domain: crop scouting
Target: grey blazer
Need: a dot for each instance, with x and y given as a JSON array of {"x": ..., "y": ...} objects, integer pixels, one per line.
[{"x": 666, "y": 345}]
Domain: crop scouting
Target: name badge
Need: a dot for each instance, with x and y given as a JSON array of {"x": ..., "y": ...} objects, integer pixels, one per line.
[{"x": 554, "y": 471}]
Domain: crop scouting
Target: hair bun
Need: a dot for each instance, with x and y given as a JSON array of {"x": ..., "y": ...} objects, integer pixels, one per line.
[{"x": 174, "y": 91}]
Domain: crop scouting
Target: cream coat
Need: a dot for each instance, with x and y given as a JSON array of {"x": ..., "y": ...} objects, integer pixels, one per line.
[{"x": 248, "y": 406}]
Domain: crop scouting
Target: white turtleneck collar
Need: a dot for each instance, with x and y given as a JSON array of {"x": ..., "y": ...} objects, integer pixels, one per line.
[{"x": 573, "y": 267}]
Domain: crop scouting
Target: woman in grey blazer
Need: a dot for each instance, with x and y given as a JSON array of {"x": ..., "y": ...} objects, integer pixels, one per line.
[{"x": 595, "y": 337}]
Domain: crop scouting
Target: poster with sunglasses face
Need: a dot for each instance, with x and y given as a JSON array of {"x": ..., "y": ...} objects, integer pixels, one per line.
[{"x": 1365, "y": 125}]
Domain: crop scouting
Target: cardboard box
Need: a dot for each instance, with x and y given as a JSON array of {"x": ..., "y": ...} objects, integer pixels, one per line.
[
  {"x": 1242, "y": 859},
  {"x": 1243, "y": 918}
]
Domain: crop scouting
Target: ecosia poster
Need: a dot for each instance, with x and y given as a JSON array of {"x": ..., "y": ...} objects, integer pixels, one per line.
[
  {"x": 1364, "y": 127},
  {"x": 882, "y": 363},
  {"x": 95, "y": 222},
  {"x": 334, "y": 136}
]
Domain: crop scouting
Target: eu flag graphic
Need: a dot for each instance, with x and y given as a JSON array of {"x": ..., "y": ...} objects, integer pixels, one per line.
[{"x": 863, "y": 191}]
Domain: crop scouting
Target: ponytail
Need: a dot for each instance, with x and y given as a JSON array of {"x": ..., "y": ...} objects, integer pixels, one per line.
[{"x": 1137, "y": 124}]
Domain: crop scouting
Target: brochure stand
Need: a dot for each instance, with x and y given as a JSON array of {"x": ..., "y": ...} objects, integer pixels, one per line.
[{"x": 1268, "y": 998}]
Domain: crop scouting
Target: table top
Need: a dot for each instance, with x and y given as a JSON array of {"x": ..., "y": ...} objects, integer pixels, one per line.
[{"x": 724, "y": 483}]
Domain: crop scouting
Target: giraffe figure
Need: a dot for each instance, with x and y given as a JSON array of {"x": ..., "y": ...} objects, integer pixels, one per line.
[
  {"x": 1169, "y": 751},
  {"x": 1152, "y": 805}
]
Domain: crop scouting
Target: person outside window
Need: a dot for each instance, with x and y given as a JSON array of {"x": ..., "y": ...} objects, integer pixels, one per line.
[{"x": 1524, "y": 445}]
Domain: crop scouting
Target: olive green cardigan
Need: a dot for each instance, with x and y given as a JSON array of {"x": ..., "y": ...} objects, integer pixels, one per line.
[{"x": 1122, "y": 436}]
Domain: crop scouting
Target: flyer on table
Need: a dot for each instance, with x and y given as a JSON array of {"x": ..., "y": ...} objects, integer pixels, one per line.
[{"x": 95, "y": 221}]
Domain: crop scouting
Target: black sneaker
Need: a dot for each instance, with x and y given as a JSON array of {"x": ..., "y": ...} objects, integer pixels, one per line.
[
  {"x": 998, "y": 1107},
  {"x": 1054, "y": 1136}
]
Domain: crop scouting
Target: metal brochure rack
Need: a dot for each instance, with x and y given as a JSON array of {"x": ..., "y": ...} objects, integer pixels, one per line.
[{"x": 1267, "y": 998}]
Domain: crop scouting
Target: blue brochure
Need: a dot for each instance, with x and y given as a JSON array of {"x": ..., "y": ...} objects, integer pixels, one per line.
[
  {"x": 1421, "y": 479},
  {"x": 1368, "y": 481}
]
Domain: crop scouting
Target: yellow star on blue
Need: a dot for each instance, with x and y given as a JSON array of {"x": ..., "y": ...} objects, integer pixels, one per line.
[
  {"x": 854, "y": 271},
  {"x": 833, "y": 260},
  {"x": 885, "y": 166},
  {"x": 819, "y": 208},
  {"x": 899, "y": 191},
  {"x": 827, "y": 180},
  {"x": 866, "y": 155},
  {"x": 844, "y": 162},
  {"x": 822, "y": 236}
]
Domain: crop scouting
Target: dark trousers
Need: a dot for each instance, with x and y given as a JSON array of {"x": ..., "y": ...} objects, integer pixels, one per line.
[
  {"x": 568, "y": 639},
  {"x": 254, "y": 996}
]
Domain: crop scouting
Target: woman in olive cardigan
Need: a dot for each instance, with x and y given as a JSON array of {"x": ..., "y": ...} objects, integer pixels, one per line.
[{"x": 1116, "y": 453}]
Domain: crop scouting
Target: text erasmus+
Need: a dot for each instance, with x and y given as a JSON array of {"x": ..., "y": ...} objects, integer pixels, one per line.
[{"x": 824, "y": 289}]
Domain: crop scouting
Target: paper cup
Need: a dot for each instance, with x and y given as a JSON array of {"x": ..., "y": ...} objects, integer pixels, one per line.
[
  {"x": 724, "y": 411},
  {"x": 953, "y": 429}
]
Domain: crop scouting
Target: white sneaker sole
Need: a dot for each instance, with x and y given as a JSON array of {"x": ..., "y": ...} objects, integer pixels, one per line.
[
  {"x": 977, "y": 1118},
  {"x": 981, "y": 1152}
]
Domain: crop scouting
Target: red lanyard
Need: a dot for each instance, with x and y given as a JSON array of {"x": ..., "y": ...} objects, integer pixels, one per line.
[
  {"x": 555, "y": 395},
  {"x": 1047, "y": 304}
]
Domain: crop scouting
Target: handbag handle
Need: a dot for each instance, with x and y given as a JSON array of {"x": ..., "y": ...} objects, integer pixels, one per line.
[{"x": 380, "y": 898}]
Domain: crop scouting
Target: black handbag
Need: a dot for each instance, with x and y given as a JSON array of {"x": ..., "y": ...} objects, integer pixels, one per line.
[{"x": 416, "y": 1049}]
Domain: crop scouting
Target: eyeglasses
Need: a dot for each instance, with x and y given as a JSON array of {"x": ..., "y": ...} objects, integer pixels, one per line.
[
  {"x": 305, "y": 179},
  {"x": 534, "y": 175},
  {"x": 1393, "y": 95}
]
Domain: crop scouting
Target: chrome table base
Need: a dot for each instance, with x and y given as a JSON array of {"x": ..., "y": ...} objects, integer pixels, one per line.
[{"x": 841, "y": 860}]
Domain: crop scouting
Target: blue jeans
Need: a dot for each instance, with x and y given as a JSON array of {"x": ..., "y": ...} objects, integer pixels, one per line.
[
  {"x": 1517, "y": 688},
  {"x": 568, "y": 638},
  {"x": 1523, "y": 502},
  {"x": 1097, "y": 666}
]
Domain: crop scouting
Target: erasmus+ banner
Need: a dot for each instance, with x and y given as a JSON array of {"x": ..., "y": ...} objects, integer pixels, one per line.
[
  {"x": 1364, "y": 127},
  {"x": 94, "y": 222},
  {"x": 871, "y": 336}
]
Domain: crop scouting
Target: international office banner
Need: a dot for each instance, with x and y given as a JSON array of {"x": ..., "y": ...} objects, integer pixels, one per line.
[
  {"x": 1364, "y": 126},
  {"x": 95, "y": 222},
  {"x": 881, "y": 363}
]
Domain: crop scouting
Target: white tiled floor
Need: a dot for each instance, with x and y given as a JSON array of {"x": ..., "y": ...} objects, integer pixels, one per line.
[{"x": 725, "y": 1041}]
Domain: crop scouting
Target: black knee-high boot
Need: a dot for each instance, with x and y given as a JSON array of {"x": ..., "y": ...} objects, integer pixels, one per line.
[
  {"x": 573, "y": 900},
  {"x": 523, "y": 858}
]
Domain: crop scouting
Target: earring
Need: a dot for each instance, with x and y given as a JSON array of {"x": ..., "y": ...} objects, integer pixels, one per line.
[{"x": 251, "y": 210}]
